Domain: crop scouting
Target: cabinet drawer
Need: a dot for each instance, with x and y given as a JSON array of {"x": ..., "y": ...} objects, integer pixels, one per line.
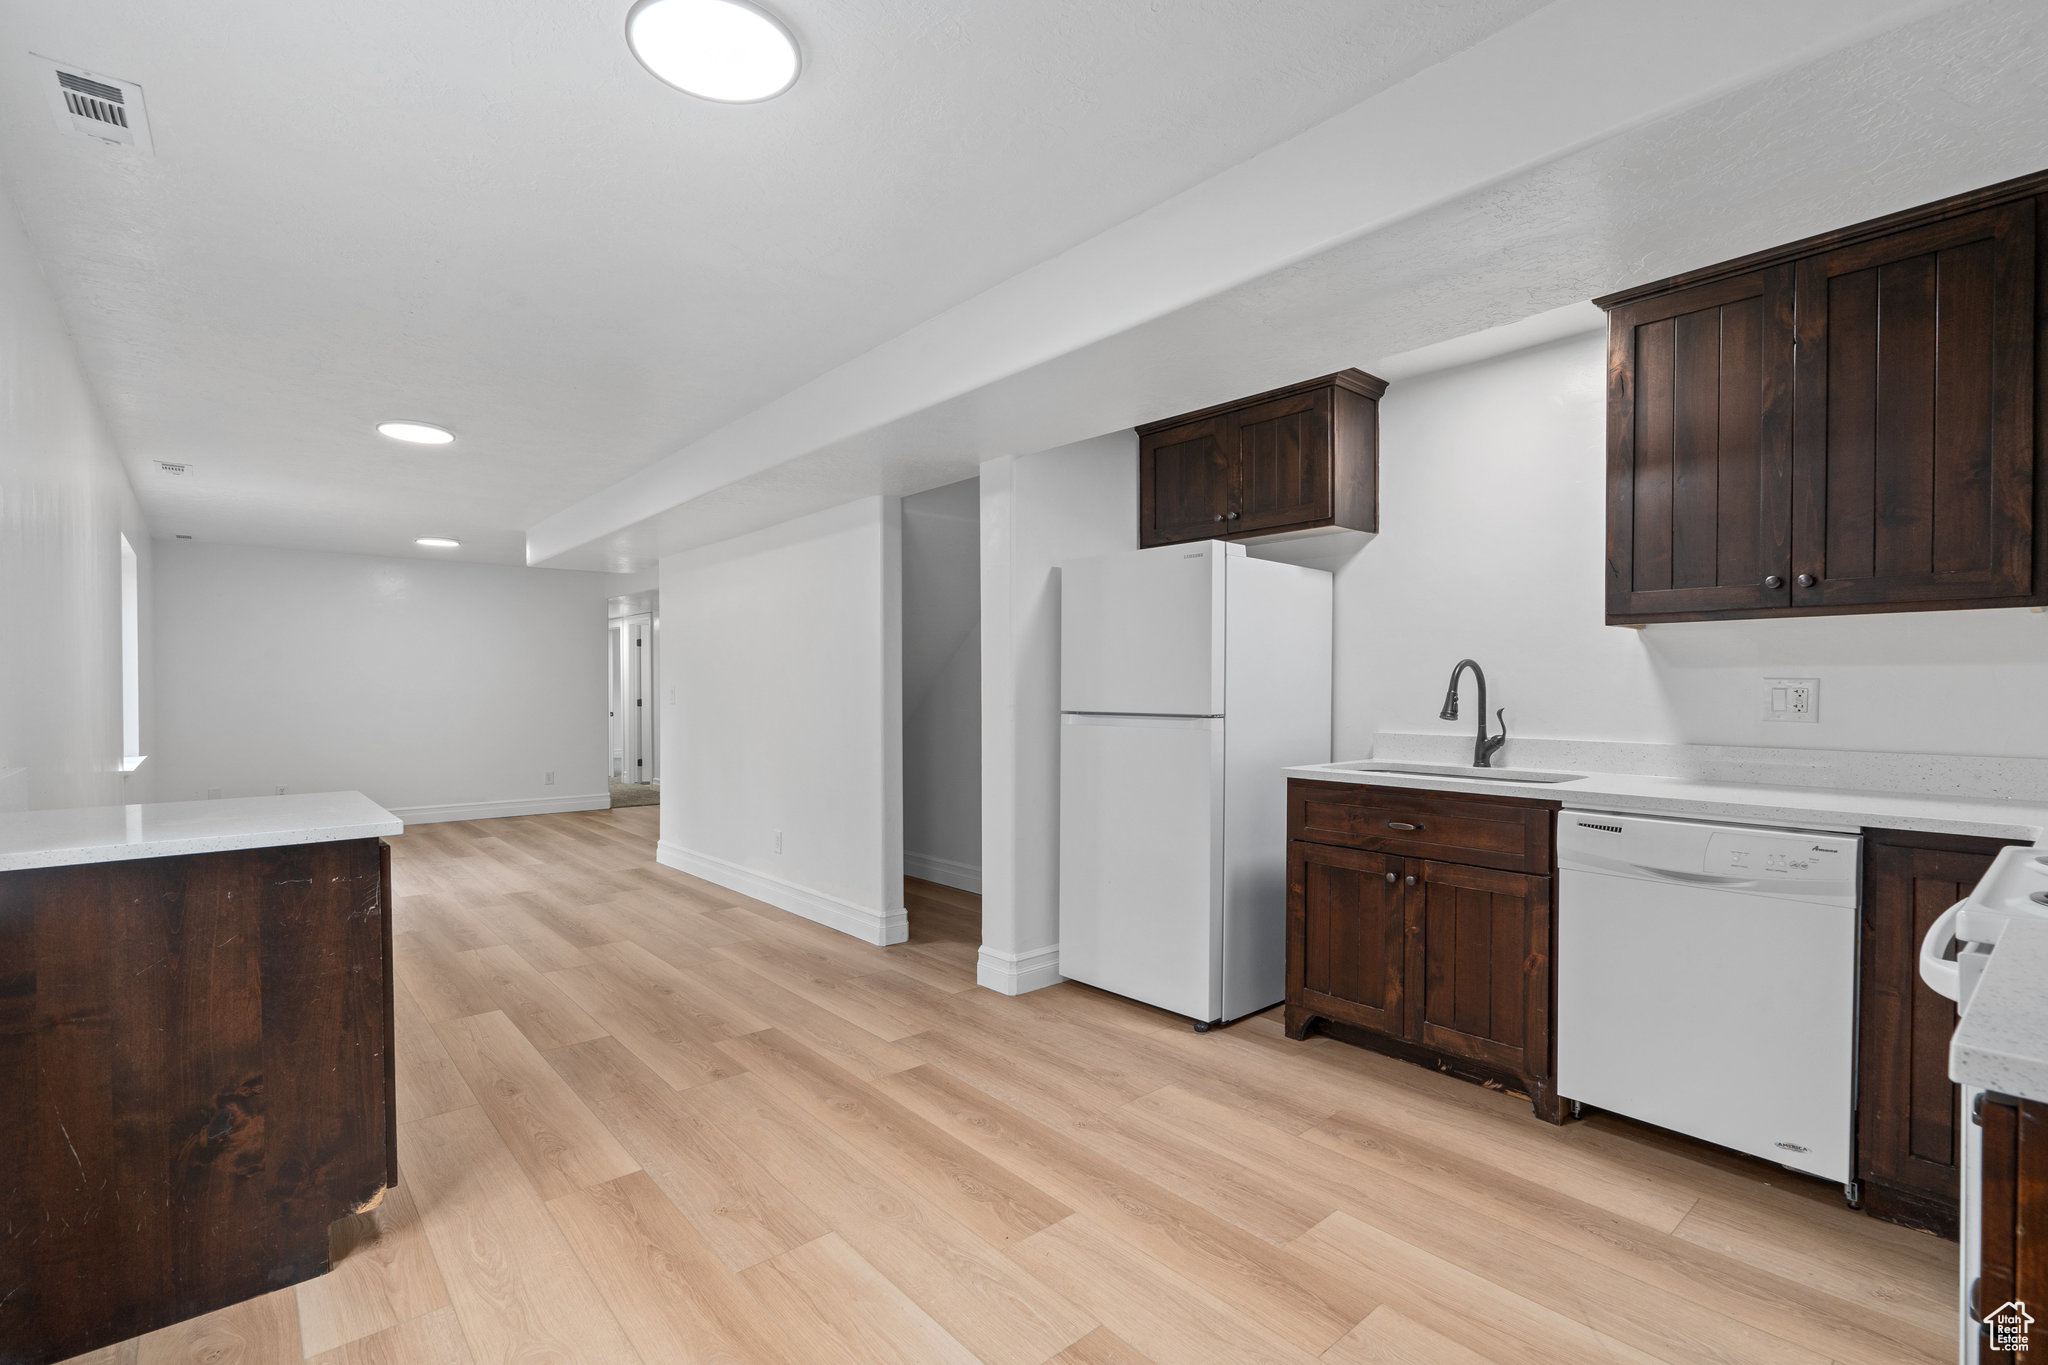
[{"x": 1513, "y": 836}]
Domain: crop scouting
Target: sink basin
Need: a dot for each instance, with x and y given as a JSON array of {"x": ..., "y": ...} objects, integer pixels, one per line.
[{"x": 1456, "y": 770}]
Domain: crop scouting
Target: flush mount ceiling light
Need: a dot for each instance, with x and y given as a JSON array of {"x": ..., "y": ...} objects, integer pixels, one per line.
[
  {"x": 418, "y": 433},
  {"x": 438, "y": 543},
  {"x": 723, "y": 50}
]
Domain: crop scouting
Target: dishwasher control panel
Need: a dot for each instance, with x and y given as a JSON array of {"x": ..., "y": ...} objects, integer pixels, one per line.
[
  {"x": 1773, "y": 856},
  {"x": 1806, "y": 864}
]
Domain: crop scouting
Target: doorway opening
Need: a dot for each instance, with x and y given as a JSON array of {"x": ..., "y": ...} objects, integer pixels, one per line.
[
  {"x": 631, "y": 670},
  {"x": 942, "y": 716}
]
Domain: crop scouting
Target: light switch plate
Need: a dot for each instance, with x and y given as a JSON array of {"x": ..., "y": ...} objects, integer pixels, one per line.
[{"x": 1792, "y": 699}]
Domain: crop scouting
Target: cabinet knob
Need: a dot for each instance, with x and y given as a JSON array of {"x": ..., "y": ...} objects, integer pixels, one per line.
[
  {"x": 1805, "y": 580},
  {"x": 1411, "y": 879},
  {"x": 1773, "y": 581},
  {"x": 1217, "y": 517},
  {"x": 1231, "y": 515},
  {"x": 1390, "y": 879}
]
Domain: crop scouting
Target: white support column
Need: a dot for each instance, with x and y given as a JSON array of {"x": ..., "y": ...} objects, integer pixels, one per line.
[{"x": 1036, "y": 511}]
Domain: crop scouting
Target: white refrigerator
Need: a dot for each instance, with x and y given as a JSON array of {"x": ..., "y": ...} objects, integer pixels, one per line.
[{"x": 1190, "y": 676}]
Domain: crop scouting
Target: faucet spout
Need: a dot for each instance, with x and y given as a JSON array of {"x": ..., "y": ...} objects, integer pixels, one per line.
[{"x": 1483, "y": 747}]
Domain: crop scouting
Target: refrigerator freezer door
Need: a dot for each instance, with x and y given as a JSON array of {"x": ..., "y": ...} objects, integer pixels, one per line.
[
  {"x": 1141, "y": 633},
  {"x": 1141, "y": 859}
]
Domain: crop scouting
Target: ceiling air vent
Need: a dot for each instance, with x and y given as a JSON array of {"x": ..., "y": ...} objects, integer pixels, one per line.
[{"x": 102, "y": 107}]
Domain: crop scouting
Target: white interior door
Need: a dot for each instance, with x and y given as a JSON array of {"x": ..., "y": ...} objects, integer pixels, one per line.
[
  {"x": 635, "y": 649},
  {"x": 616, "y": 725},
  {"x": 1141, "y": 858}
]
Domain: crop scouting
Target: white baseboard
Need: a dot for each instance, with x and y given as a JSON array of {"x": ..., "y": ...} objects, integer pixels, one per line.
[
  {"x": 945, "y": 871},
  {"x": 1018, "y": 973},
  {"x": 491, "y": 810},
  {"x": 880, "y": 928}
]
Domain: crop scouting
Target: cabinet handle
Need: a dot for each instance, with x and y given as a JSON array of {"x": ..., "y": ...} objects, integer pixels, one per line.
[
  {"x": 1390, "y": 879},
  {"x": 1773, "y": 581},
  {"x": 1401, "y": 824},
  {"x": 1805, "y": 580}
]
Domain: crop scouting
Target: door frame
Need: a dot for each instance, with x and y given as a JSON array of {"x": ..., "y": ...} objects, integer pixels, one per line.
[{"x": 634, "y": 695}]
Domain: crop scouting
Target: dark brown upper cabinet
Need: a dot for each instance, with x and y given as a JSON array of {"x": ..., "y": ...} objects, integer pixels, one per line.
[
  {"x": 1302, "y": 459},
  {"x": 1846, "y": 424},
  {"x": 1699, "y": 448}
]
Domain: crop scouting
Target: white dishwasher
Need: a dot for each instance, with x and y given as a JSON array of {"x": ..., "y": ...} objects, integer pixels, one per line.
[{"x": 1706, "y": 982}]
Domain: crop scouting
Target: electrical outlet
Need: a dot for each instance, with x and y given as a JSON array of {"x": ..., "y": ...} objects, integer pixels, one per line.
[
  {"x": 547, "y": 779},
  {"x": 1792, "y": 699},
  {"x": 280, "y": 791},
  {"x": 213, "y": 793},
  {"x": 778, "y": 841}
]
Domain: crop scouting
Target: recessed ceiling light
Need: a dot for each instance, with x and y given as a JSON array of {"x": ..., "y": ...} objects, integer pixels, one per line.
[
  {"x": 724, "y": 50},
  {"x": 438, "y": 543},
  {"x": 419, "y": 433}
]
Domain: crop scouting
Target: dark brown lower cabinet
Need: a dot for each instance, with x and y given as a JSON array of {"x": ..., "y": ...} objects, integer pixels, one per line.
[
  {"x": 1485, "y": 967},
  {"x": 1438, "y": 962},
  {"x": 2012, "y": 1272},
  {"x": 195, "y": 1081},
  {"x": 1908, "y": 1124},
  {"x": 1349, "y": 913}
]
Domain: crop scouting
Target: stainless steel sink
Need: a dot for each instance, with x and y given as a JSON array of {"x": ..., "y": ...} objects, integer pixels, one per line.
[{"x": 1456, "y": 770}]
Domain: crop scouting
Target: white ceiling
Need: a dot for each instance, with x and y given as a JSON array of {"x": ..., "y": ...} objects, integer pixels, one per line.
[
  {"x": 482, "y": 213},
  {"x": 1592, "y": 145}
]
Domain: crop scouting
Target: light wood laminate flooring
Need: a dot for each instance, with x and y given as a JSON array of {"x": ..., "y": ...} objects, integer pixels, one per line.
[{"x": 646, "y": 1119}]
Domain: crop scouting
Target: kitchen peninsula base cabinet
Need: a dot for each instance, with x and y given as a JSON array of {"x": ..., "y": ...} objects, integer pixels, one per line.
[
  {"x": 196, "y": 1079},
  {"x": 1421, "y": 924},
  {"x": 1908, "y": 1121},
  {"x": 2012, "y": 1265}
]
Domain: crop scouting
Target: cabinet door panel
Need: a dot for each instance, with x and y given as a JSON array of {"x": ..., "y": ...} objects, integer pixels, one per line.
[
  {"x": 1283, "y": 462},
  {"x": 2012, "y": 1235},
  {"x": 1184, "y": 481},
  {"x": 1346, "y": 935},
  {"x": 1914, "y": 477},
  {"x": 1907, "y": 1133},
  {"x": 1485, "y": 989},
  {"x": 1699, "y": 448}
]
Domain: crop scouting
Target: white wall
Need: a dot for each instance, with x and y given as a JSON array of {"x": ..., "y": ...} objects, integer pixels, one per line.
[
  {"x": 1036, "y": 511},
  {"x": 65, "y": 501},
  {"x": 782, "y": 711},
  {"x": 442, "y": 690},
  {"x": 942, "y": 685},
  {"x": 1492, "y": 543}
]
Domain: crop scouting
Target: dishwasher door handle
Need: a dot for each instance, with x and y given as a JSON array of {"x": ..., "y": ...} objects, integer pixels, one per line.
[
  {"x": 1667, "y": 874},
  {"x": 1943, "y": 976}
]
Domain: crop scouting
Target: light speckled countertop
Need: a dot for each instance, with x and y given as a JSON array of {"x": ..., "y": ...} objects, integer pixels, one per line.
[
  {"x": 1744, "y": 803},
  {"x": 105, "y": 834},
  {"x": 2002, "y": 1042}
]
